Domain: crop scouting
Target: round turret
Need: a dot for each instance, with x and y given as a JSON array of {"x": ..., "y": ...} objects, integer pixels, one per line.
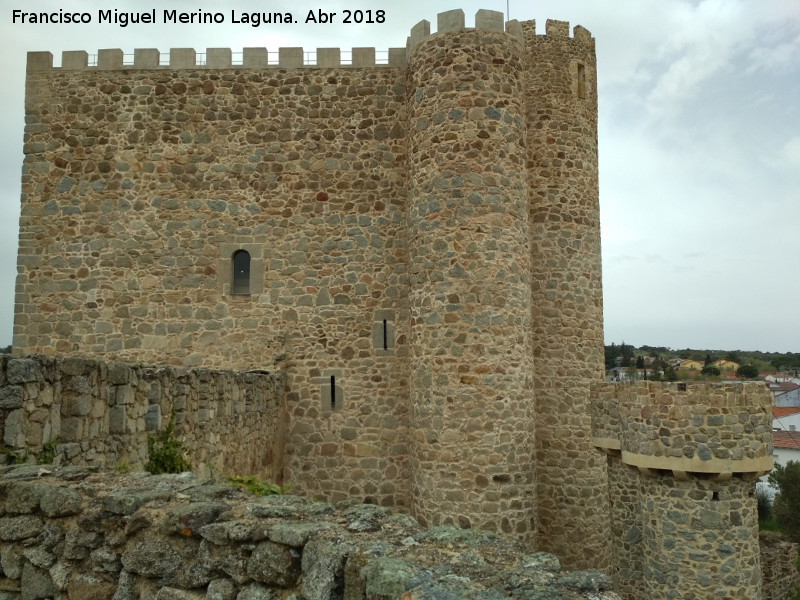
[
  {"x": 567, "y": 320},
  {"x": 469, "y": 264}
]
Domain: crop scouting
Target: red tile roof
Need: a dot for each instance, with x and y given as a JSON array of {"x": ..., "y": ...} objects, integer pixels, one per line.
[
  {"x": 787, "y": 439},
  {"x": 784, "y": 386},
  {"x": 784, "y": 411}
]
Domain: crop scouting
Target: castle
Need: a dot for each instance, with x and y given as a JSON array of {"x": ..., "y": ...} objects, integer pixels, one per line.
[{"x": 415, "y": 246}]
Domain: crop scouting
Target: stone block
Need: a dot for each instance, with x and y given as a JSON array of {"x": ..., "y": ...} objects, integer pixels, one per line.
[
  {"x": 77, "y": 366},
  {"x": 11, "y": 397},
  {"x": 274, "y": 564},
  {"x": 118, "y": 374},
  {"x": 556, "y": 28},
  {"x": 124, "y": 395},
  {"x": 39, "y": 61},
  {"x": 328, "y": 58},
  {"x": 397, "y": 57},
  {"x": 80, "y": 406},
  {"x": 146, "y": 58},
  {"x": 22, "y": 370},
  {"x": 290, "y": 58},
  {"x": 15, "y": 529},
  {"x": 182, "y": 58},
  {"x": 72, "y": 429},
  {"x": 491, "y": 20},
  {"x": 254, "y": 58},
  {"x": 152, "y": 419},
  {"x": 109, "y": 59},
  {"x": 419, "y": 32},
  {"x": 451, "y": 20},
  {"x": 74, "y": 60},
  {"x": 218, "y": 58},
  {"x": 363, "y": 57},
  {"x": 14, "y": 431}
]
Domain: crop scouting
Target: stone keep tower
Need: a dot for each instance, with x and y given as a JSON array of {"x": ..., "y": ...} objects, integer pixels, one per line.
[{"x": 422, "y": 243}]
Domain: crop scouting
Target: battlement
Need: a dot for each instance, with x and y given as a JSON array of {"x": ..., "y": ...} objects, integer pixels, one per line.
[
  {"x": 686, "y": 427},
  {"x": 491, "y": 20},
  {"x": 295, "y": 57}
]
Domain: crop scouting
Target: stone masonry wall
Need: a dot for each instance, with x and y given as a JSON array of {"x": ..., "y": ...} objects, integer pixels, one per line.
[
  {"x": 140, "y": 184},
  {"x": 566, "y": 290},
  {"x": 470, "y": 283},
  {"x": 708, "y": 428},
  {"x": 700, "y": 538},
  {"x": 780, "y": 571},
  {"x": 84, "y": 412},
  {"x": 66, "y": 532},
  {"x": 626, "y": 528}
]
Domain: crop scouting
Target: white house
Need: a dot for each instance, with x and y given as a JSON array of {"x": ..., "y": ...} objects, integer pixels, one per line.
[
  {"x": 787, "y": 447},
  {"x": 786, "y": 418},
  {"x": 789, "y": 397}
]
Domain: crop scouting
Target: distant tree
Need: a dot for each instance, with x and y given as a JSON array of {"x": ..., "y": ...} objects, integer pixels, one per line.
[
  {"x": 6, "y": 350},
  {"x": 733, "y": 356},
  {"x": 627, "y": 353},
  {"x": 654, "y": 351},
  {"x": 658, "y": 368},
  {"x": 640, "y": 362},
  {"x": 786, "y": 508},
  {"x": 710, "y": 370},
  {"x": 708, "y": 360},
  {"x": 747, "y": 372},
  {"x": 670, "y": 374},
  {"x": 611, "y": 356}
]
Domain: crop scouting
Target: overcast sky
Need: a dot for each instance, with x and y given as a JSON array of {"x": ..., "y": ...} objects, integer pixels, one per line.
[{"x": 699, "y": 144}]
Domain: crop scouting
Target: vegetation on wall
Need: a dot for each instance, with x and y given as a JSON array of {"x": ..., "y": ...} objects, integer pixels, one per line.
[{"x": 165, "y": 452}]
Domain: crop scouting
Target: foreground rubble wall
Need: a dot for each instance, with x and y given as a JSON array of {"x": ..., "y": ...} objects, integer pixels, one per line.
[
  {"x": 780, "y": 574},
  {"x": 75, "y": 532},
  {"x": 74, "y": 411}
]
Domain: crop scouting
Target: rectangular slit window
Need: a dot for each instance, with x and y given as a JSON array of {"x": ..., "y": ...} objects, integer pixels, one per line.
[
  {"x": 581, "y": 81},
  {"x": 385, "y": 336},
  {"x": 333, "y": 392}
]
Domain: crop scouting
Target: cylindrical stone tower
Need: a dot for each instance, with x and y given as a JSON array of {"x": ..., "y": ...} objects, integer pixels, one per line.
[
  {"x": 469, "y": 264},
  {"x": 699, "y": 451},
  {"x": 567, "y": 319}
]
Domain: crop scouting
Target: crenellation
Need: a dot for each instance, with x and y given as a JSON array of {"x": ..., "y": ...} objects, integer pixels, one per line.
[
  {"x": 514, "y": 29},
  {"x": 419, "y": 32},
  {"x": 290, "y": 58},
  {"x": 146, "y": 58},
  {"x": 219, "y": 58},
  {"x": 489, "y": 20},
  {"x": 110, "y": 58},
  {"x": 255, "y": 58},
  {"x": 363, "y": 57},
  {"x": 74, "y": 60},
  {"x": 556, "y": 29},
  {"x": 329, "y": 58},
  {"x": 450, "y": 21},
  {"x": 39, "y": 61},
  {"x": 397, "y": 57},
  {"x": 581, "y": 34}
]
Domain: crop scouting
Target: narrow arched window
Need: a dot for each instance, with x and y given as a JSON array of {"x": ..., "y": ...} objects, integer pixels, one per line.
[{"x": 241, "y": 272}]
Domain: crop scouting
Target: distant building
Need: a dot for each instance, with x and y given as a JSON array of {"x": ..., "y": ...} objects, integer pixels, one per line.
[
  {"x": 786, "y": 418},
  {"x": 726, "y": 365},
  {"x": 785, "y": 393},
  {"x": 691, "y": 364}
]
